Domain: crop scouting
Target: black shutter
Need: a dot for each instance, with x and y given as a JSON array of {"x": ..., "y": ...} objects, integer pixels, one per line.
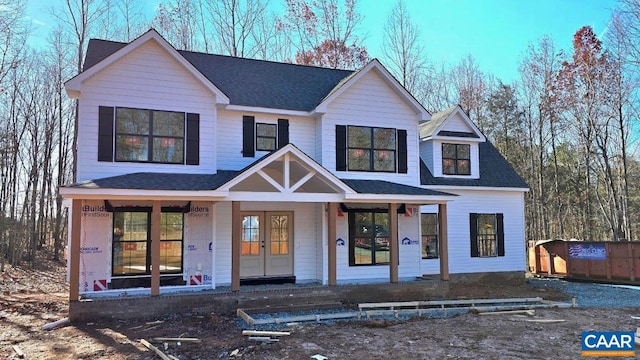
[
  {"x": 341, "y": 148},
  {"x": 105, "y": 133},
  {"x": 248, "y": 136},
  {"x": 473, "y": 230},
  {"x": 193, "y": 139},
  {"x": 402, "y": 151},
  {"x": 283, "y": 132},
  {"x": 500, "y": 233}
]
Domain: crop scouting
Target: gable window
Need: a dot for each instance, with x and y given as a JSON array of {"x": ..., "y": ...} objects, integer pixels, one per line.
[
  {"x": 149, "y": 136},
  {"x": 368, "y": 238},
  {"x": 266, "y": 136},
  {"x": 487, "y": 235},
  {"x": 371, "y": 149},
  {"x": 132, "y": 242},
  {"x": 429, "y": 224},
  {"x": 456, "y": 159},
  {"x": 263, "y": 136}
]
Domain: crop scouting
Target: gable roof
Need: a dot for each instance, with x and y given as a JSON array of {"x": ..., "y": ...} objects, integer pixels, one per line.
[
  {"x": 248, "y": 82},
  {"x": 375, "y": 65},
  {"x": 495, "y": 171},
  {"x": 434, "y": 127},
  {"x": 107, "y": 57}
]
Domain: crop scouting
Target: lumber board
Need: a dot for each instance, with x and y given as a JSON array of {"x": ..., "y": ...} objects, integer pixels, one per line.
[
  {"x": 18, "y": 351},
  {"x": 265, "y": 333},
  {"x": 176, "y": 339},
  {"x": 248, "y": 319},
  {"x": 509, "y": 312},
  {"x": 263, "y": 339},
  {"x": 158, "y": 352}
]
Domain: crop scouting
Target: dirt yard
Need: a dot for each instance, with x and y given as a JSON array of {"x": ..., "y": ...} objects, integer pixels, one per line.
[{"x": 31, "y": 299}]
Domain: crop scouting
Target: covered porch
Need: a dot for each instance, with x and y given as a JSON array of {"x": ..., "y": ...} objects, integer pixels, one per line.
[{"x": 283, "y": 183}]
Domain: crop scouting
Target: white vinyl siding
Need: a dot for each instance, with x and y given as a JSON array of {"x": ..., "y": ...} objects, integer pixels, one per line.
[
  {"x": 302, "y": 134},
  {"x": 148, "y": 78},
  {"x": 509, "y": 203},
  {"x": 304, "y": 238},
  {"x": 371, "y": 102}
]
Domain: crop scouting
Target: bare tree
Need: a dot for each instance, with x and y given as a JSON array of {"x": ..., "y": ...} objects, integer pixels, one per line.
[
  {"x": 234, "y": 22},
  {"x": 403, "y": 48}
]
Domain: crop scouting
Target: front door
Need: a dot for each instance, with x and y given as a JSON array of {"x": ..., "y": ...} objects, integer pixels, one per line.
[{"x": 267, "y": 239}]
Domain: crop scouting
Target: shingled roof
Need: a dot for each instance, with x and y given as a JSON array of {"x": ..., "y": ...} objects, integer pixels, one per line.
[
  {"x": 249, "y": 82},
  {"x": 495, "y": 171},
  {"x": 160, "y": 181}
]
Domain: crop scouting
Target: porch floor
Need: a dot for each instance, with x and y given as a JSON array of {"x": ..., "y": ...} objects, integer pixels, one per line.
[{"x": 224, "y": 301}]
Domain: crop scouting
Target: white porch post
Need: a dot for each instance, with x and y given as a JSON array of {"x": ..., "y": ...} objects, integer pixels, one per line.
[{"x": 393, "y": 243}]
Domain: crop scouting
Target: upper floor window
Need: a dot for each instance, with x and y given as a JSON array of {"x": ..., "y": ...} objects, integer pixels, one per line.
[
  {"x": 266, "y": 136},
  {"x": 456, "y": 159},
  {"x": 263, "y": 136},
  {"x": 371, "y": 149},
  {"x": 149, "y": 136}
]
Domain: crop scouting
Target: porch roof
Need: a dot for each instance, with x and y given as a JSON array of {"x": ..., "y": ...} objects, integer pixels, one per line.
[{"x": 211, "y": 182}]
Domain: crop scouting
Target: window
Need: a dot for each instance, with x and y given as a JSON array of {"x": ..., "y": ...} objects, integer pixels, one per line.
[
  {"x": 456, "y": 159},
  {"x": 487, "y": 235},
  {"x": 149, "y": 136},
  {"x": 429, "y": 223},
  {"x": 132, "y": 242},
  {"x": 371, "y": 149},
  {"x": 368, "y": 238},
  {"x": 266, "y": 136}
]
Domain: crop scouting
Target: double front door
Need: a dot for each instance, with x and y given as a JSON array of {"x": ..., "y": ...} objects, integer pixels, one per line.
[{"x": 267, "y": 244}]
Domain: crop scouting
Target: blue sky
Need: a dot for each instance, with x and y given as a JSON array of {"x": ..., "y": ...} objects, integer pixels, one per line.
[{"x": 495, "y": 32}]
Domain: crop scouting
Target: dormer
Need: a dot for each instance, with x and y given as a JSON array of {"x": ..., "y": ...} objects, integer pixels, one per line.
[{"x": 449, "y": 144}]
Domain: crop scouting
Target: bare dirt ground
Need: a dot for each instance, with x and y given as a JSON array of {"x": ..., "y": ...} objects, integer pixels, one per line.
[{"x": 32, "y": 298}]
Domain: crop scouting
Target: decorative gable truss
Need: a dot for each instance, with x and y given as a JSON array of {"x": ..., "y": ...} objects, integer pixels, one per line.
[{"x": 287, "y": 173}]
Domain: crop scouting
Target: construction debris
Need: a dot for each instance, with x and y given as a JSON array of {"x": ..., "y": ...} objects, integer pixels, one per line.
[
  {"x": 264, "y": 339},
  {"x": 319, "y": 357},
  {"x": 55, "y": 324},
  {"x": 177, "y": 339},
  {"x": 18, "y": 351},
  {"x": 510, "y": 312},
  {"x": 158, "y": 352},
  {"x": 540, "y": 321},
  {"x": 265, "y": 333}
]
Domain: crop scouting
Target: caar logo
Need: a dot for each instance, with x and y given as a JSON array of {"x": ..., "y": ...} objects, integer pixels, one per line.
[{"x": 608, "y": 343}]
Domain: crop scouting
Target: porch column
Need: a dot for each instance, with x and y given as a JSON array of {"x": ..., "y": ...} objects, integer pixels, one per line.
[
  {"x": 393, "y": 243},
  {"x": 156, "y": 218},
  {"x": 331, "y": 242},
  {"x": 443, "y": 242},
  {"x": 236, "y": 242},
  {"x": 74, "y": 266}
]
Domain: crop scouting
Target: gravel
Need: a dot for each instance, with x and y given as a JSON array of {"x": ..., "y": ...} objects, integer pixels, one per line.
[{"x": 593, "y": 295}]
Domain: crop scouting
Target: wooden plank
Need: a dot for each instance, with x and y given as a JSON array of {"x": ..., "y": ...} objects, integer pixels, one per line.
[
  {"x": 510, "y": 312},
  {"x": 389, "y": 304},
  {"x": 263, "y": 339},
  {"x": 443, "y": 242},
  {"x": 332, "y": 251},
  {"x": 74, "y": 266},
  {"x": 156, "y": 218},
  {"x": 245, "y": 317},
  {"x": 18, "y": 351},
  {"x": 265, "y": 333},
  {"x": 191, "y": 340},
  {"x": 236, "y": 243},
  {"x": 393, "y": 243},
  {"x": 158, "y": 352}
]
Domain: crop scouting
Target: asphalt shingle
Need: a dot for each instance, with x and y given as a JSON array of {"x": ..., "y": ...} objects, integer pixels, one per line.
[{"x": 250, "y": 82}]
